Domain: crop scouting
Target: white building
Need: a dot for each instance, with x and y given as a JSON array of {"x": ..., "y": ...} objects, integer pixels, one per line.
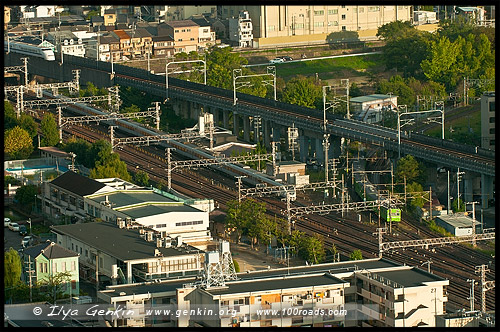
[
  {"x": 488, "y": 120},
  {"x": 39, "y": 11},
  {"x": 240, "y": 29},
  {"x": 424, "y": 17},
  {"x": 456, "y": 224},
  {"x": 369, "y": 109},
  {"x": 67, "y": 43}
]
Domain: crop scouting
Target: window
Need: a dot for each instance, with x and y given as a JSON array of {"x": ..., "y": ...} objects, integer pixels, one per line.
[
  {"x": 492, "y": 119},
  {"x": 343, "y": 17},
  {"x": 183, "y": 30},
  {"x": 189, "y": 223},
  {"x": 334, "y": 23},
  {"x": 343, "y": 6},
  {"x": 492, "y": 106},
  {"x": 361, "y": 10},
  {"x": 180, "y": 39},
  {"x": 54, "y": 267},
  {"x": 161, "y": 225},
  {"x": 343, "y": 28},
  {"x": 299, "y": 25},
  {"x": 86, "y": 253},
  {"x": 73, "y": 265},
  {"x": 319, "y": 12},
  {"x": 63, "y": 266},
  {"x": 319, "y": 24},
  {"x": 240, "y": 301},
  {"x": 176, "y": 30},
  {"x": 191, "y": 39},
  {"x": 72, "y": 247},
  {"x": 333, "y": 11},
  {"x": 188, "y": 30},
  {"x": 492, "y": 142},
  {"x": 374, "y": 9},
  {"x": 101, "y": 261},
  {"x": 492, "y": 131}
]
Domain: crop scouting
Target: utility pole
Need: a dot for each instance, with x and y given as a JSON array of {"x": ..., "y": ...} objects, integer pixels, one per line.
[
  {"x": 239, "y": 187},
  {"x": 379, "y": 233},
  {"x": 169, "y": 168},
  {"x": 449, "y": 204},
  {"x": 485, "y": 285},
  {"x": 458, "y": 186},
  {"x": 471, "y": 297},
  {"x": 30, "y": 271}
]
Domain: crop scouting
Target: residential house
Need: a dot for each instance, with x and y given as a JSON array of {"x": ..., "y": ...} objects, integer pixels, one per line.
[
  {"x": 37, "y": 11},
  {"x": 185, "y": 34},
  {"x": 109, "y": 17},
  {"x": 240, "y": 29},
  {"x": 125, "y": 44},
  {"x": 67, "y": 43},
  {"x": 163, "y": 46},
  {"x": 6, "y": 17},
  {"x": 206, "y": 36},
  {"x": 46, "y": 260}
]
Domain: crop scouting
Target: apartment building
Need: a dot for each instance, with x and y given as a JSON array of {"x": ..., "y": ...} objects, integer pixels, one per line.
[
  {"x": 109, "y": 17},
  {"x": 488, "y": 120},
  {"x": 240, "y": 29},
  {"x": 374, "y": 292},
  {"x": 206, "y": 36},
  {"x": 185, "y": 34},
  {"x": 303, "y": 25},
  {"x": 163, "y": 46},
  {"x": 125, "y": 44}
]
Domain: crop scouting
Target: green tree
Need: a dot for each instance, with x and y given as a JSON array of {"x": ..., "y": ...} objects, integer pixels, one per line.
[
  {"x": 334, "y": 251},
  {"x": 12, "y": 268},
  {"x": 110, "y": 167},
  {"x": 303, "y": 91},
  {"x": 264, "y": 228},
  {"x": 26, "y": 194},
  {"x": 395, "y": 30},
  {"x": 312, "y": 249},
  {"x": 130, "y": 109},
  {"x": 142, "y": 178},
  {"x": 82, "y": 149},
  {"x": 28, "y": 123},
  {"x": 355, "y": 91},
  {"x": 356, "y": 255},
  {"x": 55, "y": 284},
  {"x": 416, "y": 195},
  {"x": 296, "y": 240},
  {"x": 410, "y": 168},
  {"x": 10, "y": 119},
  {"x": 458, "y": 205},
  {"x": 236, "y": 266},
  {"x": 17, "y": 143},
  {"x": 397, "y": 85},
  {"x": 281, "y": 231},
  {"x": 49, "y": 130},
  {"x": 244, "y": 216},
  {"x": 220, "y": 65}
]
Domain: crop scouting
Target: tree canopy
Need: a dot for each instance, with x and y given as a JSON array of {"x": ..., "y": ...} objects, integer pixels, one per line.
[
  {"x": 303, "y": 91},
  {"x": 410, "y": 168},
  {"x": 17, "y": 144},
  {"x": 50, "y": 133}
]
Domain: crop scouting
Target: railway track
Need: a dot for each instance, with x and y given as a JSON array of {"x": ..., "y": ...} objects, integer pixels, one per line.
[{"x": 457, "y": 264}]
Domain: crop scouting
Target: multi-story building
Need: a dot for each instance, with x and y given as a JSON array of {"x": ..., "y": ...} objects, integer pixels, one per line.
[
  {"x": 488, "y": 120},
  {"x": 206, "y": 36},
  {"x": 185, "y": 34},
  {"x": 125, "y": 254},
  {"x": 374, "y": 292},
  {"x": 67, "y": 43},
  {"x": 79, "y": 198},
  {"x": 163, "y": 46},
  {"x": 125, "y": 44},
  {"x": 183, "y": 12},
  {"x": 240, "y": 29},
  {"x": 46, "y": 260},
  {"x": 303, "y": 25},
  {"x": 38, "y": 11},
  {"x": 6, "y": 17},
  {"x": 109, "y": 17}
]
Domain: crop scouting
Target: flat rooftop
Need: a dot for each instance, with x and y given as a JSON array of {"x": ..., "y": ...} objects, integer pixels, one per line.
[
  {"x": 121, "y": 199},
  {"x": 410, "y": 277},
  {"x": 254, "y": 276},
  {"x": 121, "y": 243},
  {"x": 458, "y": 220},
  {"x": 285, "y": 282},
  {"x": 364, "y": 99}
]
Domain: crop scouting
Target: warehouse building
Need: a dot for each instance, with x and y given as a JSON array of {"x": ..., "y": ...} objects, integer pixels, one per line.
[{"x": 456, "y": 224}]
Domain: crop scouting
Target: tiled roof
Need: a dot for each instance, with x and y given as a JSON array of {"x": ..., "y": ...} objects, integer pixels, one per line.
[{"x": 180, "y": 24}]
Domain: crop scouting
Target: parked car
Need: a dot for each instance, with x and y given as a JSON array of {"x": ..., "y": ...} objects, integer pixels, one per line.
[
  {"x": 27, "y": 241},
  {"x": 22, "y": 230},
  {"x": 6, "y": 222},
  {"x": 14, "y": 226},
  {"x": 277, "y": 60},
  {"x": 287, "y": 58}
]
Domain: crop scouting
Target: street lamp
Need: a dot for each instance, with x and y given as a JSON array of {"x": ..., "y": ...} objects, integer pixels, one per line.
[{"x": 29, "y": 222}]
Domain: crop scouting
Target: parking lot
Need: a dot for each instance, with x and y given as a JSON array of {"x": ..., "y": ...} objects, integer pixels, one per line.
[{"x": 11, "y": 239}]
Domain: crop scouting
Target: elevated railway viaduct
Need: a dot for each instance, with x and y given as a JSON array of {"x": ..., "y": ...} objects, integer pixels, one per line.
[{"x": 189, "y": 99}]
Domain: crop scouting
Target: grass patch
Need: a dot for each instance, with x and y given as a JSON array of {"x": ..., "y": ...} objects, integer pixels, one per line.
[
  {"x": 461, "y": 132},
  {"x": 433, "y": 227},
  {"x": 354, "y": 66}
]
